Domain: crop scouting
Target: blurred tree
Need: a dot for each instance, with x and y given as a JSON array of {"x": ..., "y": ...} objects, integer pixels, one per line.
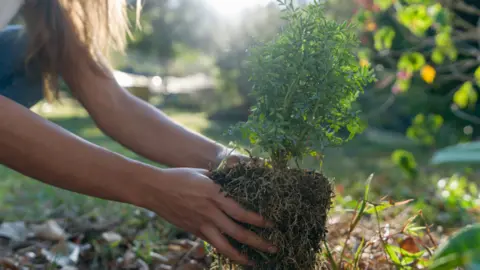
[
  {"x": 427, "y": 53},
  {"x": 256, "y": 24},
  {"x": 167, "y": 25}
]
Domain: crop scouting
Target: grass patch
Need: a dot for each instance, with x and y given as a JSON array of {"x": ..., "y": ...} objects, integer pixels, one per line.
[{"x": 24, "y": 198}]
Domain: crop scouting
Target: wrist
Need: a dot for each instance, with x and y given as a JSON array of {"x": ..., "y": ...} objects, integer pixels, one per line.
[
  {"x": 149, "y": 184},
  {"x": 137, "y": 183}
]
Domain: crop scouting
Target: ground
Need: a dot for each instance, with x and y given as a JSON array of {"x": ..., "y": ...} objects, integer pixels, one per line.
[
  {"x": 350, "y": 165},
  {"x": 26, "y": 200}
]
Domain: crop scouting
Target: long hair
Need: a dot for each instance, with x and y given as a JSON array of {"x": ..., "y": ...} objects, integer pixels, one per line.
[{"x": 64, "y": 32}]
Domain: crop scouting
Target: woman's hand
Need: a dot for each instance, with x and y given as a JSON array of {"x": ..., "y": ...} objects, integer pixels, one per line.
[{"x": 190, "y": 200}]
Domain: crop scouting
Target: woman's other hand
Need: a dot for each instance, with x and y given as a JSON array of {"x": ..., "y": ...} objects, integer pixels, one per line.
[{"x": 190, "y": 200}]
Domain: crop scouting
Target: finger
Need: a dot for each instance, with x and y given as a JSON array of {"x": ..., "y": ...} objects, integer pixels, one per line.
[
  {"x": 203, "y": 171},
  {"x": 233, "y": 209},
  {"x": 241, "y": 234},
  {"x": 232, "y": 161},
  {"x": 214, "y": 237}
]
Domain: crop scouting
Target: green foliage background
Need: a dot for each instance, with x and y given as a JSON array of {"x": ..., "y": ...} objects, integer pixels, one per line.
[{"x": 304, "y": 83}]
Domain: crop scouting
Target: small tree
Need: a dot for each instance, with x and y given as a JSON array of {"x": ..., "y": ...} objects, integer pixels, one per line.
[{"x": 305, "y": 82}]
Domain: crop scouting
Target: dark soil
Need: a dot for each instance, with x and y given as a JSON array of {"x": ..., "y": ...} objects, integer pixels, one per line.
[{"x": 296, "y": 201}]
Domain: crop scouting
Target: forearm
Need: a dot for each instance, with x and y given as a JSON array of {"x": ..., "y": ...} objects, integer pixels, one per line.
[
  {"x": 139, "y": 126},
  {"x": 44, "y": 151},
  {"x": 146, "y": 130},
  {"x": 149, "y": 132}
]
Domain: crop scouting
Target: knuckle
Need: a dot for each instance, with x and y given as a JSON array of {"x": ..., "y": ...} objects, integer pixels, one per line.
[{"x": 241, "y": 236}]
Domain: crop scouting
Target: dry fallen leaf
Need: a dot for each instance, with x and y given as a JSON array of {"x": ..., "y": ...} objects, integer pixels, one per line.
[
  {"x": 50, "y": 231},
  {"x": 8, "y": 264},
  {"x": 63, "y": 254},
  {"x": 408, "y": 244}
]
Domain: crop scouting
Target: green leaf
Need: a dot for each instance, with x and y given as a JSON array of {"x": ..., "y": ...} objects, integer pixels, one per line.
[
  {"x": 477, "y": 76},
  {"x": 358, "y": 253},
  {"x": 404, "y": 159},
  {"x": 363, "y": 205},
  {"x": 367, "y": 187},
  {"x": 438, "y": 57},
  {"x": 443, "y": 39},
  {"x": 392, "y": 254},
  {"x": 461, "y": 153},
  {"x": 385, "y": 205},
  {"x": 383, "y": 38},
  {"x": 451, "y": 52},
  {"x": 411, "y": 62},
  {"x": 465, "y": 96},
  {"x": 461, "y": 250},
  {"x": 415, "y": 18},
  {"x": 384, "y": 4}
]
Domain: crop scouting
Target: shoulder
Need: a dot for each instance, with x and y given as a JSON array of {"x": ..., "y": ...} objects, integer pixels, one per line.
[{"x": 8, "y": 10}]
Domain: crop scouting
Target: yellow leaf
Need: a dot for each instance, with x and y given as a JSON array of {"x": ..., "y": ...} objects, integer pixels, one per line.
[
  {"x": 465, "y": 95},
  {"x": 371, "y": 26},
  {"x": 364, "y": 62},
  {"x": 428, "y": 74}
]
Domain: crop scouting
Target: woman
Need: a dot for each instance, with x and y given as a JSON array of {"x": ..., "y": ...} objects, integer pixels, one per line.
[{"x": 71, "y": 39}]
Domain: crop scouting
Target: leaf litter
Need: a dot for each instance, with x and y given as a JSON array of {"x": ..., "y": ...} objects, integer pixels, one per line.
[{"x": 394, "y": 237}]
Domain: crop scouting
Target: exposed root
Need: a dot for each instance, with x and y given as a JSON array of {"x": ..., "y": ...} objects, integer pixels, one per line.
[{"x": 296, "y": 201}]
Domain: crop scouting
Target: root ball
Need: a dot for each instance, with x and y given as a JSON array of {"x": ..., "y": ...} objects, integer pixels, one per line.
[{"x": 296, "y": 201}]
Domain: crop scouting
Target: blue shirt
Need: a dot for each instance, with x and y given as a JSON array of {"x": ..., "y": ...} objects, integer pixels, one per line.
[{"x": 19, "y": 82}]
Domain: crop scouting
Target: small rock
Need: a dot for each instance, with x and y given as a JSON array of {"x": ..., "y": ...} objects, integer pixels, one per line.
[
  {"x": 163, "y": 267},
  {"x": 128, "y": 259},
  {"x": 158, "y": 258},
  {"x": 69, "y": 268},
  {"x": 14, "y": 231},
  {"x": 49, "y": 231},
  {"x": 111, "y": 237},
  {"x": 142, "y": 265}
]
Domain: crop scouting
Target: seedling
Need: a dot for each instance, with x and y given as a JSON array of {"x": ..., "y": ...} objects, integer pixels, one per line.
[{"x": 305, "y": 82}]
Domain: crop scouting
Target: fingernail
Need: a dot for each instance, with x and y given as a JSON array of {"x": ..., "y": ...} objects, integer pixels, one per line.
[
  {"x": 270, "y": 224},
  {"x": 272, "y": 249}
]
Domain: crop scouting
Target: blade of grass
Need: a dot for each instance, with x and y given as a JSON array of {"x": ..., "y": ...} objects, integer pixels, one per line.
[
  {"x": 358, "y": 254},
  {"x": 330, "y": 256},
  {"x": 358, "y": 215}
]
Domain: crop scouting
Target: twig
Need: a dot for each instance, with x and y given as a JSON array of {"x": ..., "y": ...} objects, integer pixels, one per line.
[
  {"x": 187, "y": 254},
  {"x": 428, "y": 230},
  {"x": 387, "y": 104},
  {"x": 380, "y": 233},
  {"x": 353, "y": 224},
  {"x": 462, "y": 6},
  {"x": 465, "y": 116}
]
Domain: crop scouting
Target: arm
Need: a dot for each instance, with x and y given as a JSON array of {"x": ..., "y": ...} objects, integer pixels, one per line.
[
  {"x": 41, "y": 150},
  {"x": 44, "y": 151},
  {"x": 143, "y": 128}
]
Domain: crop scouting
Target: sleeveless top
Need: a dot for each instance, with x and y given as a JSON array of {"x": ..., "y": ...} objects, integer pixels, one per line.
[{"x": 18, "y": 82}]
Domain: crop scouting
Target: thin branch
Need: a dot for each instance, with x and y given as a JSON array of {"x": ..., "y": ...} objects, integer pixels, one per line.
[
  {"x": 473, "y": 34},
  {"x": 451, "y": 77},
  {"x": 459, "y": 66},
  {"x": 463, "y": 23},
  {"x": 385, "y": 106},
  {"x": 470, "y": 9},
  {"x": 465, "y": 116}
]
